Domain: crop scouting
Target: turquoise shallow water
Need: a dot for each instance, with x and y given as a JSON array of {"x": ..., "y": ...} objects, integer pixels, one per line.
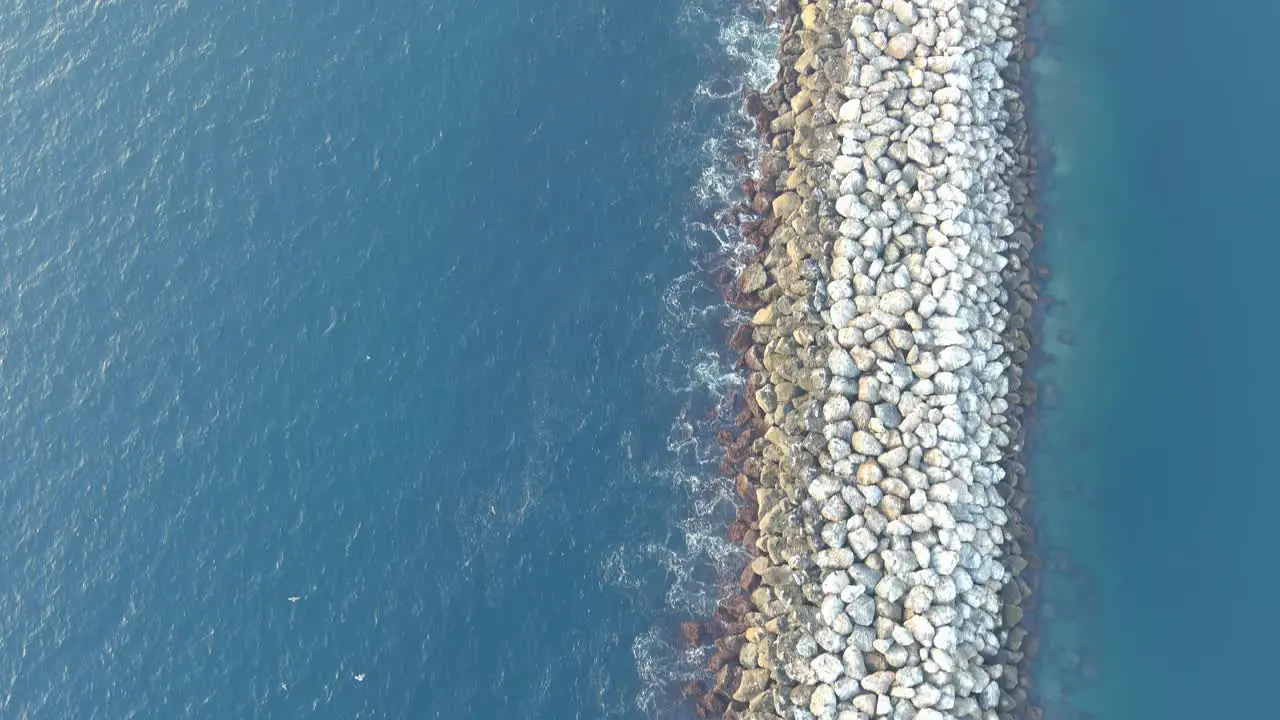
[{"x": 1154, "y": 481}]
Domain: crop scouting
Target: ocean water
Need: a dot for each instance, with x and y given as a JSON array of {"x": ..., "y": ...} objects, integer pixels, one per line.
[
  {"x": 1154, "y": 484},
  {"x": 361, "y": 360},
  {"x": 404, "y": 310}
]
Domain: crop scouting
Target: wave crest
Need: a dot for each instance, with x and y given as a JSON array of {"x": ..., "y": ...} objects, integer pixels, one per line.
[{"x": 694, "y": 362}]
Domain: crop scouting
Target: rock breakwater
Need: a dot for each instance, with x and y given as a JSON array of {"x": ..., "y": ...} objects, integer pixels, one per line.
[{"x": 880, "y": 461}]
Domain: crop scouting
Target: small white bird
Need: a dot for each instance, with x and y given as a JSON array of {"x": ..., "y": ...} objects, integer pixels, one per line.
[
  {"x": 294, "y": 598},
  {"x": 359, "y": 677}
]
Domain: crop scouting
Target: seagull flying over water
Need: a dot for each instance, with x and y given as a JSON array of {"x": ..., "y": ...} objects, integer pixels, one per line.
[
  {"x": 294, "y": 598},
  {"x": 359, "y": 677}
]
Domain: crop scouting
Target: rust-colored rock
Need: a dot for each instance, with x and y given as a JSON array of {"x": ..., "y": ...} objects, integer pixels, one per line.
[
  {"x": 693, "y": 689},
  {"x": 734, "y": 607},
  {"x": 741, "y": 340},
  {"x": 719, "y": 659},
  {"x": 691, "y": 630},
  {"x": 711, "y": 705}
]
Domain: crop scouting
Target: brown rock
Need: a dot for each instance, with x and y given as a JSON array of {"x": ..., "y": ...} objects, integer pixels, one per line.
[
  {"x": 711, "y": 705},
  {"x": 692, "y": 632},
  {"x": 753, "y": 683},
  {"x": 734, "y": 607},
  {"x": 786, "y": 204},
  {"x": 753, "y": 279},
  {"x": 721, "y": 658},
  {"x": 693, "y": 689}
]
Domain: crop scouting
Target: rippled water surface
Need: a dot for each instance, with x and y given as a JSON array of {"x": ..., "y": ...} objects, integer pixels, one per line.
[
  {"x": 355, "y": 356},
  {"x": 360, "y": 360}
]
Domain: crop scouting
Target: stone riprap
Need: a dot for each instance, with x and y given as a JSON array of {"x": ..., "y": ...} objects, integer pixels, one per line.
[{"x": 886, "y": 353}]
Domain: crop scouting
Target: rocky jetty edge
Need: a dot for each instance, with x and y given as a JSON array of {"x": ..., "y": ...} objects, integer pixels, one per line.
[{"x": 879, "y": 457}]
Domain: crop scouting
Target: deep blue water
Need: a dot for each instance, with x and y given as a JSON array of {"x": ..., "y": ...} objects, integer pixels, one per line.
[
  {"x": 390, "y": 308},
  {"x": 397, "y": 309},
  {"x": 1154, "y": 470}
]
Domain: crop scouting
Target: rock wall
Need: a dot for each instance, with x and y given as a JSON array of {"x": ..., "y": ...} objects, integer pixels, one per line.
[{"x": 880, "y": 465}]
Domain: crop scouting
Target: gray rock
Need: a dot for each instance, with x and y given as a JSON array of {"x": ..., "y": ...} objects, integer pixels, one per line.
[
  {"x": 842, "y": 624},
  {"x": 827, "y": 667},
  {"x": 799, "y": 671},
  {"x": 850, "y": 111},
  {"x": 835, "y": 581},
  {"x": 905, "y": 12},
  {"x": 836, "y": 408},
  {"x": 848, "y": 206},
  {"x": 926, "y": 31},
  {"x": 918, "y": 599},
  {"x": 878, "y": 682},
  {"x": 854, "y": 664},
  {"x": 823, "y": 701},
  {"x": 866, "y": 443},
  {"x": 945, "y": 562},
  {"x": 900, "y": 46},
  {"x": 951, "y": 358},
  {"x": 944, "y": 257},
  {"x": 889, "y": 415},
  {"x": 918, "y": 150},
  {"x": 834, "y": 558},
  {"x": 891, "y": 588},
  {"x": 921, "y": 629},
  {"x": 862, "y": 638},
  {"x": 926, "y": 697},
  {"x": 949, "y": 429},
  {"x": 834, "y": 509},
  {"x": 896, "y": 302},
  {"x": 863, "y": 542},
  {"x": 829, "y": 640},
  {"x": 835, "y": 534},
  {"x": 862, "y": 610},
  {"x": 910, "y": 676},
  {"x": 895, "y": 458},
  {"x": 865, "y": 704},
  {"x": 846, "y": 687},
  {"x": 897, "y": 656},
  {"x": 841, "y": 364},
  {"x": 830, "y": 608},
  {"x": 823, "y": 487},
  {"x": 946, "y": 638},
  {"x": 806, "y": 646},
  {"x": 843, "y": 312}
]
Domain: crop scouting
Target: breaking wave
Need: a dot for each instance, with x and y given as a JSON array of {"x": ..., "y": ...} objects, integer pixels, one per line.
[{"x": 737, "y": 48}]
